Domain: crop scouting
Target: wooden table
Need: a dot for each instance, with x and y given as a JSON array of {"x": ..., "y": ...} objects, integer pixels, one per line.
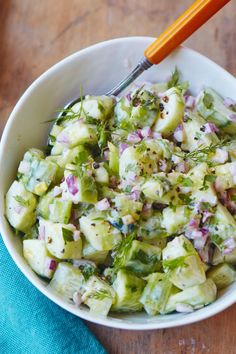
[{"x": 35, "y": 34}]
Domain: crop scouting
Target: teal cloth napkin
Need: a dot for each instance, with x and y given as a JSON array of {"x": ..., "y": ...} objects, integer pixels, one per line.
[{"x": 32, "y": 324}]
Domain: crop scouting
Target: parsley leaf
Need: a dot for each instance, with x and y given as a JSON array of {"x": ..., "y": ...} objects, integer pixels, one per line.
[
  {"x": 22, "y": 201},
  {"x": 174, "y": 80},
  {"x": 122, "y": 251},
  {"x": 67, "y": 235}
]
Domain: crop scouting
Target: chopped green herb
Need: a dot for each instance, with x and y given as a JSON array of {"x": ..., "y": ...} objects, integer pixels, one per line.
[
  {"x": 208, "y": 100},
  {"x": 100, "y": 294},
  {"x": 22, "y": 201},
  {"x": 122, "y": 250},
  {"x": 67, "y": 235}
]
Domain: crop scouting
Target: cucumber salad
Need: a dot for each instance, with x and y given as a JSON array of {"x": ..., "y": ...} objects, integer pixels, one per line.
[{"x": 132, "y": 205}]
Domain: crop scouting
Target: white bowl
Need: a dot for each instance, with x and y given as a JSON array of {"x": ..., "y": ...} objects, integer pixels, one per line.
[{"x": 97, "y": 69}]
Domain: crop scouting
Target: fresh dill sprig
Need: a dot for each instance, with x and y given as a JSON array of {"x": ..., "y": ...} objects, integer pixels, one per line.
[
  {"x": 100, "y": 294},
  {"x": 201, "y": 154},
  {"x": 122, "y": 250},
  {"x": 21, "y": 201}
]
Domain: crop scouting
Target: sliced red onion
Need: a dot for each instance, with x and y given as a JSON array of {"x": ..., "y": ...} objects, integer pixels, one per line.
[
  {"x": 62, "y": 138},
  {"x": 146, "y": 132},
  {"x": 76, "y": 235},
  {"x": 156, "y": 135},
  {"x": 210, "y": 128},
  {"x": 127, "y": 219},
  {"x": 182, "y": 167},
  {"x": 162, "y": 165},
  {"x": 228, "y": 102},
  {"x": 134, "y": 138},
  {"x": 135, "y": 195},
  {"x": 77, "y": 298},
  {"x": 189, "y": 101},
  {"x": 102, "y": 204},
  {"x": 57, "y": 191},
  {"x": 206, "y": 215},
  {"x": 193, "y": 223},
  {"x": 232, "y": 117},
  {"x": 184, "y": 308},
  {"x": 179, "y": 133},
  {"x": 71, "y": 183},
  {"x": 41, "y": 232},
  {"x": 122, "y": 147},
  {"x": 229, "y": 245},
  {"x": 52, "y": 264},
  {"x": 131, "y": 176}
]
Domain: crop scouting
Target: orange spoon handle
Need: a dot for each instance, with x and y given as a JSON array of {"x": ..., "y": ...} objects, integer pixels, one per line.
[{"x": 193, "y": 18}]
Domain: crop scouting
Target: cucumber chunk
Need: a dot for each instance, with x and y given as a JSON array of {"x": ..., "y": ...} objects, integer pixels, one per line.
[
  {"x": 61, "y": 241},
  {"x": 218, "y": 257},
  {"x": 38, "y": 257},
  {"x": 171, "y": 113},
  {"x": 99, "y": 233},
  {"x": 96, "y": 107},
  {"x": 226, "y": 175},
  {"x": 113, "y": 158},
  {"x": 77, "y": 133},
  {"x": 193, "y": 127},
  {"x": 67, "y": 280},
  {"x": 211, "y": 106},
  {"x": 98, "y": 296},
  {"x": 180, "y": 246},
  {"x": 222, "y": 275},
  {"x": 101, "y": 175},
  {"x": 142, "y": 258},
  {"x": 156, "y": 293},
  {"x": 198, "y": 295},
  {"x": 90, "y": 253},
  {"x": 20, "y": 207},
  {"x": 128, "y": 288},
  {"x": 174, "y": 219},
  {"x": 54, "y": 208},
  {"x": 126, "y": 206}
]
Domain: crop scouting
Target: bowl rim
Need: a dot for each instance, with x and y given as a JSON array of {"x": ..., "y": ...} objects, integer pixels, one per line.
[{"x": 213, "y": 309}]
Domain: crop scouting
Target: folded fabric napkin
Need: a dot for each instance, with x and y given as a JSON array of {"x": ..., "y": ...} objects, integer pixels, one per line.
[{"x": 32, "y": 324}]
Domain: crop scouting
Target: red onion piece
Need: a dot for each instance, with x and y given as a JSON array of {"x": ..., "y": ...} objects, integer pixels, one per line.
[
  {"x": 189, "y": 101},
  {"x": 206, "y": 215},
  {"x": 135, "y": 195},
  {"x": 193, "y": 223},
  {"x": 102, "y": 204},
  {"x": 229, "y": 245},
  {"x": 62, "y": 138},
  {"x": 228, "y": 102},
  {"x": 146, "y": 132},
  {"x": 131, "y": 176},
  {"x": 210, "y": 128},
  {"x": 134, "y": 138},
  {"x": 122, "y": 147},
  {"x": 179, "y": 134},
  {"x": 52, "y": 264},
  {"x": 233, "y": 117},
  {"x": 156, "y": 135},
  {"x": 76, "y": 235},
  {"x": 71, "y": 184},
  {"x": 182, "y": 167}
]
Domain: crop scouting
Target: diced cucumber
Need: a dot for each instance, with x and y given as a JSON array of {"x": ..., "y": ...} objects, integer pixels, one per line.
[
  {"x": 157, "y": 188},
  {"x": 101, "y": 175},
  {"x": 67, "y": 280},
  {"x": 54, "y": 208},
  {"x": 77, "y": 133},
  {"x": 96, "y": 107},
  {"x": 142, "y": 258},
  {"x": 194, "y": 134},
  {"x": 156, "y": 293},
  {"x": 99, "y": 233},
  {"x": 20, "y": 207},
  {"x": 79, "y": 187},
  {"x": 218, "y": 257},
  {"x": 128, "y": 288},
  {"x": 211, "y": 106},
  {"x": 38, "y": 257},
  {"x": 191, "y": 272},
  {"x": 174, "y": 219},
  {"x": 198, "y": 295},
  {"x": 126, "y": 206},
  {"x": 222, "y": 275},
  {"x": 222, "y": 226},
  {"x": 55, "y": 131},
  {"x": 208, "y": 195},
  {"x": 39, "y": 174},
  {"x": 98, "y": 296},
  {"x": 171, "y": 113},
  {"x": 90, "y": 253},
  {"x": 151, "y": 230},
  {"x": 76, "y": 155},
  {"x": 113, "y": 158},
  {"x": 180, "y": 246},
  {"x": 226, "y": 175},
  {"x": 60, "y": 240}
]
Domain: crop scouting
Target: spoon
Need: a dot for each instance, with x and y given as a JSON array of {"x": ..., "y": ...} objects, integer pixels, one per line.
[{"x": 193, "y": 18}]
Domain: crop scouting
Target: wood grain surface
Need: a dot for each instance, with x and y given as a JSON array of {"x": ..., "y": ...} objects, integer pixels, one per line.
[{"x": 35, "y": 34}]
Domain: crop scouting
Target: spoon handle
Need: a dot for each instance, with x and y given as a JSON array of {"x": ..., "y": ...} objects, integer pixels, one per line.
[{"x": 193, "y": 18}]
